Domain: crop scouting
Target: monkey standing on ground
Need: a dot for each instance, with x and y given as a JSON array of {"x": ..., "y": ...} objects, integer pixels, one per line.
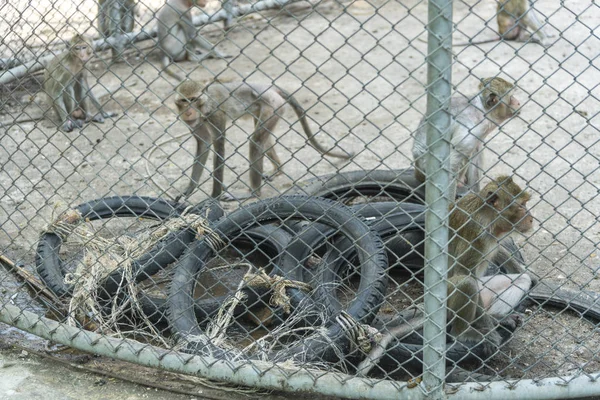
[
  {"x": 477, "y": 303},
  {"x": 66, "y": 86},
  {"x": 206, "y": 111},
  {"x": 472, "y": 121},
  {"x": 178, "y": 39},
  {"x": 116, "y": 17},
  {"x": 514, "y": 18}
]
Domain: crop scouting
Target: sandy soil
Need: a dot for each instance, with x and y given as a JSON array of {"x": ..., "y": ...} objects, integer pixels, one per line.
[{"x": 360, "y": 74}]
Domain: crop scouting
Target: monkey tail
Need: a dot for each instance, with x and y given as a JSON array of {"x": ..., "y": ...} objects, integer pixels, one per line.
[
  {"x": 291, "y": 100},
  {"x": 166, "y": 62},
  {"x": 378, "y": 351},
  {"x": 469, "y": 43}
]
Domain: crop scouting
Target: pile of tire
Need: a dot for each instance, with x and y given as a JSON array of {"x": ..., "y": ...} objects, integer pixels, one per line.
[{"x": 365, "y": 240}]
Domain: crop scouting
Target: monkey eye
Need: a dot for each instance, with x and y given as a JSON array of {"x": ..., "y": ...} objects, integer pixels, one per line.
[{"x": 185, "y": 101}]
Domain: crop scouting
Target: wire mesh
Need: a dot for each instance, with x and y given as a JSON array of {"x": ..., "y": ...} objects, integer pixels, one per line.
[{"x": 295, "y": 259}]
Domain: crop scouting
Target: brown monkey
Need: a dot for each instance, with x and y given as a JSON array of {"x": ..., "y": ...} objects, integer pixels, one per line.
[
  {"x": 65, "y": 84},
  {"x": 116, "y": 17},
  {"x": 178, "y": 39},
  {"x": 477, "y": 303},
  {"x": 206, "y": 111},
  {"x": 514, "y": 18},
  {"x": 473, "y": 119}
]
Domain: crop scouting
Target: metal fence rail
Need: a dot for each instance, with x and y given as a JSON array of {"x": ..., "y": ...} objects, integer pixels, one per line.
[{"x": 360, "y": 247}]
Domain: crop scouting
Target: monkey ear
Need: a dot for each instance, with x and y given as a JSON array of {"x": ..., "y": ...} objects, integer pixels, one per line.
[
  {"x": 492, "y": 100},
  {"x": 491, "y": 198}
]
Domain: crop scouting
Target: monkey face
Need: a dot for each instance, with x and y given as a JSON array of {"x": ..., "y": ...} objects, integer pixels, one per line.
[
  {"x": 188, "y": 112},
  {"x": 83, "y": 51},
  {"x": 502, "y": 108},
  {"x": 524, "y": 219}
]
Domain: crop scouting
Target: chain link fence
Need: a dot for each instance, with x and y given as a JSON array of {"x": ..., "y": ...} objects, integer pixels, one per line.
[{"x": 324, "y": 264}]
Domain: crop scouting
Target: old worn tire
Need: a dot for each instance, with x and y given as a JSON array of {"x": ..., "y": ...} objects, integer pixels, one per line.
[
  {"x": 370, "y": 253},
  {"x": 313, "y": 236},
  {"x": 50, "y": 266},
  {"x": 400, "y": 185},
  {"x": 269, "y": 239}
]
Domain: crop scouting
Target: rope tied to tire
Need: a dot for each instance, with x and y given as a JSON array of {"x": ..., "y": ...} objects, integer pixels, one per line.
[
  {"x": 103, "y": 256},
  {"x": 278, "y": 285}
]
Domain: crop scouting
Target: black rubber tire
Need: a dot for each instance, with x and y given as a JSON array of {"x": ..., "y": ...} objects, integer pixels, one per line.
[
  {"x": 400, "y": 185},
  {"x": 401, "y": 217},
  {"x": 50, "y": 266},
  {"x": 370, "y": 253},
  {"x": 269, "y": 239},
  {"x": 583, "y": 302},
  {"x": 343, "y": 253}
]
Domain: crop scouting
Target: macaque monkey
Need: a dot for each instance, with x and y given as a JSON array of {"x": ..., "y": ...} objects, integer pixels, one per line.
[
  {"x": 116, "y": 17},
  {"x": 473, "y": 120},
  {"x": 178, "y": 38},
  {"x": 514, "y": 18},
  {"x": 66, "y": 86},
  {"x": 477, "y": 304},
  {"x": 228, "y": 6},
  {"x": 206, "y": 111}
]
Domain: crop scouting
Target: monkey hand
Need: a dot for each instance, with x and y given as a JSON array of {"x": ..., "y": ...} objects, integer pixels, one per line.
[{"x": 511, "y": 322}]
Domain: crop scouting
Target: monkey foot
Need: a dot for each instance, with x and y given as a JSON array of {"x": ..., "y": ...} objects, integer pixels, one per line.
[
  {"x": 512, "y": 321},
  {"x": 270, "y": 177},
  {"x": 225, "y": 196}
]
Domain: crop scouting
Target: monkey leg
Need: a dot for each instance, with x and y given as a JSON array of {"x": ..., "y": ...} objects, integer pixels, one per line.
[
  {"x": 273, "y": 158},
  {"x": 530, "y": 20},
  {"x": 473, "y": 172},
  {"x": 114, "y": 23},
  {"x": 207, "y": 49},
  {"x": 470, "y": 324},
  {"x": 219, "y": 163},
  {"x": 260, "y": 141},
  {"x": 128, "y": 17},
  {"x": 228, "y": 6},
  {"x": 508, "y": 27},
  {"x": 500, "y": 294},
  {"x": 64, "y": 106},
  {"x": 203, "y": 138}
]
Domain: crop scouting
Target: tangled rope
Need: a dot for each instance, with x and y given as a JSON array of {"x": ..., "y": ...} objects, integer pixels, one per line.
[{"x": 103, "y": 256}]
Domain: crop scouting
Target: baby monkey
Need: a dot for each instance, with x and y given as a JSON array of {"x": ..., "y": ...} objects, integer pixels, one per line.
[
  {"x": 514, "y": 18},
  {"x": 206, "y": 110},
  {"x": 473, "y": 119},
  {"x": 66, "y": 86},
  {"x": 477, "y": 304}
]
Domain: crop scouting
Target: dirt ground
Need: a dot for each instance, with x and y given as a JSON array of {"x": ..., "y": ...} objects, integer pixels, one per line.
[{"x": 360, "y": 73}]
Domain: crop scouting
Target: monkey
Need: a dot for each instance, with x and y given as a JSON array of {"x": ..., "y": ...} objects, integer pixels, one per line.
[
  {"x": 178, "y": 38},
  {"x": 66, "y": 86},
  {"x": 206, "y": 110},
  {"x": 476, "y": 303},
  {"x": 116, "y": 17},
  {"x": 473, "y": 120},
  {"x": 228, "y": 6},
  {"x": 514, "y": 18}
]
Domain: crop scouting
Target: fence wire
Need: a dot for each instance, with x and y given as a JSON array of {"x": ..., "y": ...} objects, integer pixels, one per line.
[{"x": 293, "y": 195}]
